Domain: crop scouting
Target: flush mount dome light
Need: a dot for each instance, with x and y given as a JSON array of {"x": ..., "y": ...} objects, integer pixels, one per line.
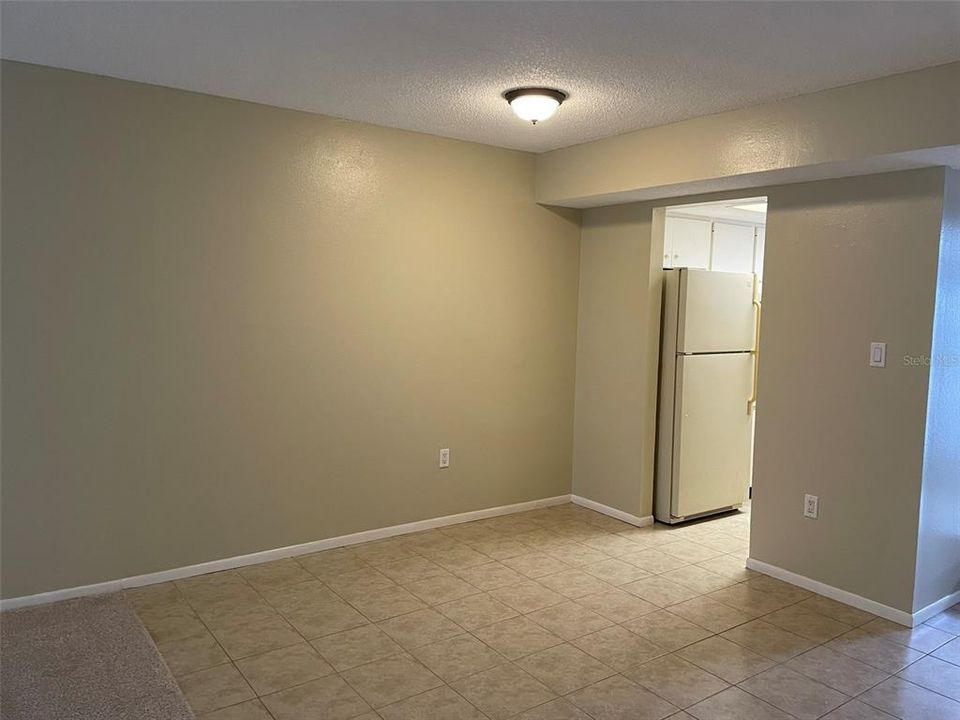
[{"x": 534, "y": 104}]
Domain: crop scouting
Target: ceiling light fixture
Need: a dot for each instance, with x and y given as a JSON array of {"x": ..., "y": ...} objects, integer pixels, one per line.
[{"x": 533, "y": 103}]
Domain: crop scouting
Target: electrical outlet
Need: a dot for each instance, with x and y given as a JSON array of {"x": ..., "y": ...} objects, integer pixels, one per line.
[
  {"x": 445, "y": 457},
  {"x": 811, "y": 506}
]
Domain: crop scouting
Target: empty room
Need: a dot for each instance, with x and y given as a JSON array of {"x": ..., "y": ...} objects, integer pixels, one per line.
[{"x": 456, "y": 360}]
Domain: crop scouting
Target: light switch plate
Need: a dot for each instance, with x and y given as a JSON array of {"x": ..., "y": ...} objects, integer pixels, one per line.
[
  {"x": 811, "y": 506},
  {"x": 445, "y": 457},
  {"x": 878, "y": 354}
]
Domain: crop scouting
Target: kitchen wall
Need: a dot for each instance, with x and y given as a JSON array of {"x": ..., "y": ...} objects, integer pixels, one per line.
[
  {"x": 847, "y": 262},
  {"x": 229, "y": 327},
  {"x": 938, "y": 555}
]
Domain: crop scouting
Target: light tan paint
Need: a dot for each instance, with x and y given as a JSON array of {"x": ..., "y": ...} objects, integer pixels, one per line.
[
  {"x": 901, "y": 121},
  {"x": 229, "y": 327},
  {"x": 938, "y": 551},
  {"x": 847, "y": 262}
]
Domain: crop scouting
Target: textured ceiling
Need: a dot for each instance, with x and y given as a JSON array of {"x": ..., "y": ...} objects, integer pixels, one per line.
[{"x": 440, "y": 67}]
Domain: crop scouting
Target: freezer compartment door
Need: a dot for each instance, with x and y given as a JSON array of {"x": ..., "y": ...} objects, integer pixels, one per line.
[
  {"x": 712, "y": 432},
  {"x": 716, "y": 312}
]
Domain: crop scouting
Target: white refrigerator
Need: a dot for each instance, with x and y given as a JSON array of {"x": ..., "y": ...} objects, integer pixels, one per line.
[{"x": 707, "y": 393}]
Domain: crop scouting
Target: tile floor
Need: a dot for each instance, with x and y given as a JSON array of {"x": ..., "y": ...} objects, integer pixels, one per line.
[{"x": 554, "y": 614}]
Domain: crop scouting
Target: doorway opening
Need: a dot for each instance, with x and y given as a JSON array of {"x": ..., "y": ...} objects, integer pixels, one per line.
[{"x": 709, "y": 356}]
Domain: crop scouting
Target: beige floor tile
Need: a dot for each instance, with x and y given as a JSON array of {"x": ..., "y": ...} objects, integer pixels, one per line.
[
  {"x": 359, "y": 583},
  {"x": 698, "y": 578},
  {"x": 836, "y": 670},
  {"x": 948, "y": 620},
  {"x": 476, "y": 611},
  {"x": 617, "y": 698},
  {"x": 386, "y": 603},
  {"x": 517, "y": 637},
  {"x": 723, "y": 543},
  {"x": 328, "y": 698},
  {"x": 439, "y": 704},
  {"x": 420, "y": 628},
  {"x": 669, "y": 631},
  {"x": 215, "y": 583},
  {"x": 458, "y": 657},
  {"x": 924, "y": 638},
  {"x": 836, "y": 610},
  {"x": 612, "y": 545},
  {"x": 541, "y": 540},
  {"x": 725, "y": 659},
  {"x": 245, "y": 640},
  {"x": 192, "y": 653},
  {"x": 279, "y": 669},
  {"x": 934, "y": 674},
  {"x": 289, "y": 597},
  {"x": 689, "y": 551},
  {"x": 383, "y": 552},
  {"x": 908, "y": 701},
  {"x": 535, "y": 565},
  {"x": 330, "y": 564},
  {"x": 617, "y": 605},
  {"x": 783, "y": 590},
  {"x": 569, "y": 620},
  {"x": 675, "y": 680},
  {"x": 491, "y": 576},
  {"x": 805, "y": 623},
  {"x": 558, "y": 709},
  {"x": 527, "y": 597},
  {"x": 710, "y": 614},
  {"x": 749, "y": 600},
  {"x": 564, "y": 668},
  {"x": 503, "y": 691},
  {"x": 249, "y": 710},
  {"x": 215, "y": 688},
  {"x": 949, "y": 652},
  {"x": 856, "y": 710},
  {"x": 152, "y": 596},
  {"x": 659, "y": 591},
  {"x": 614, "y": 571},
  {"x": 324, "y": 618},
  {"x": 275, "y": 574},
  {"x": 735, "y": 704},
  {"x": 618, "y": 647},
  {"x": 411, "y": 569},
  {"x": 347, "y": 649},
  {"x": 653, "y": 561},
  {"x": 577, "y": 554},
  {"x": 769, "y": 640},
  {"x": 729, "y": 567},
  {"x": 389, "y": 680},
  {"x": 458, "y": 557},
  {"x": 500, "y": 548},
  {"x": 171, "y": 622},
  {"x": 873, "y": 650},
  {"x": 229, "y": 615},
  {"x": 794, "y": 693},
  {"x": 574, "y": 583}
]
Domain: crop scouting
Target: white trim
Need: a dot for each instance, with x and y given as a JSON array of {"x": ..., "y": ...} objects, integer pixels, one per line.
[
  {"x": 935, "y": 608},
  {"x": 612, "y": 512},
  {"x": 277, "y": 553},
  {"x": 847, "y": 598}
]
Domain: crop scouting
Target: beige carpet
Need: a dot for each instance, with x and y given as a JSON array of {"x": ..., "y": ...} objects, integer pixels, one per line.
[{"x": 85, "y": 659}]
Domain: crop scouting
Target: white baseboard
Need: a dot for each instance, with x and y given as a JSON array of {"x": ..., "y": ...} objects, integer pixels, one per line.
[
  {"x": 612, "y": 512},
  {"x": 277, "y": 553},
  {"x": 935, "y": 608},
  {"x": 847, "y": 598}
]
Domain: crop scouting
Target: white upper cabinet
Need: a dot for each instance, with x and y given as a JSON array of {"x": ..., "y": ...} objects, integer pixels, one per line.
[
  {"x": 686, "y": 243},
  {"x": 732, "y": 248}
]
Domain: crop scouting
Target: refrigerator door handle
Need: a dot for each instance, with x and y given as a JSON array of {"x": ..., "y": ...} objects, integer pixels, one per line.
[{"x": 752, "y": 400}]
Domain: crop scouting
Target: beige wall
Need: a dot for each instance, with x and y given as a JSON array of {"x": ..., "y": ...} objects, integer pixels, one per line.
[
  {"x": 617, "y": 355},
  {"x": 847, "y": 262},
  {"x": 938, "y": 552},
  {"x": 906, "y": 120},
  {"x": 229, "y": 327}
]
